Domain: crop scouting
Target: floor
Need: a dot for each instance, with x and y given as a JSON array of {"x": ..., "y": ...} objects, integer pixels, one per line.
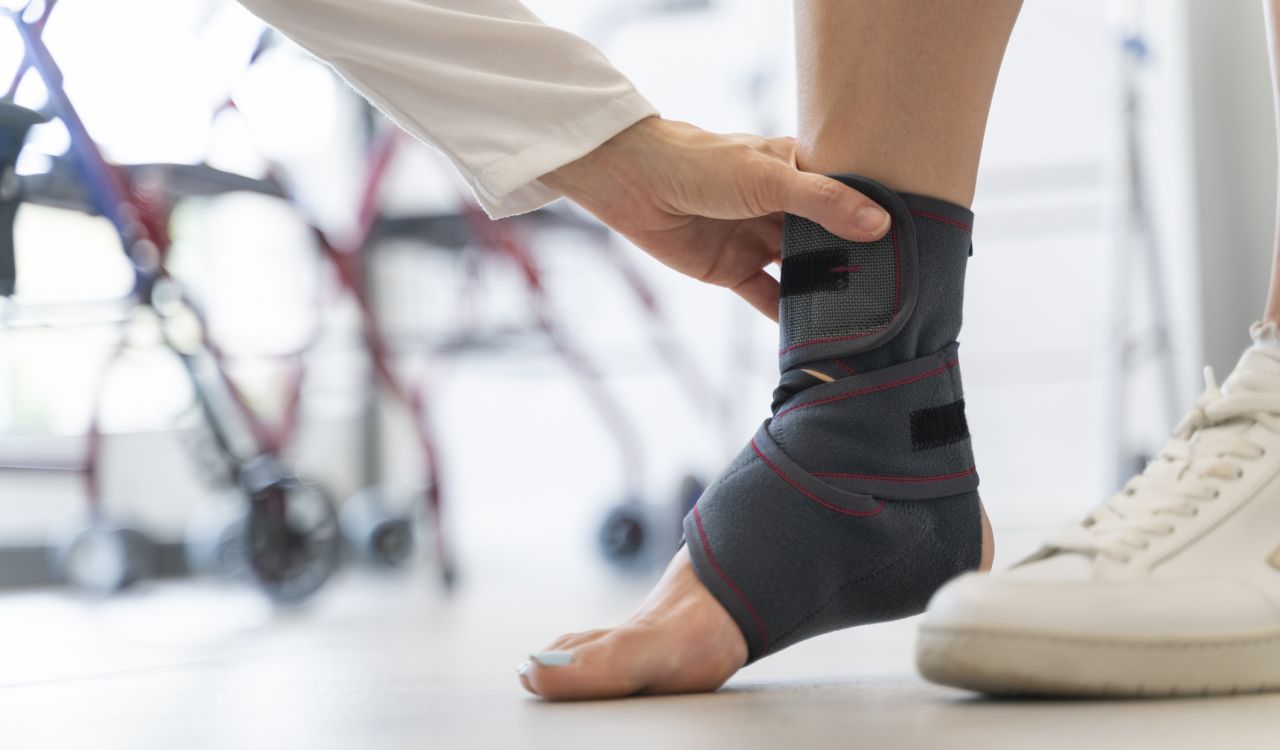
[{"x": 390, "y": 663}]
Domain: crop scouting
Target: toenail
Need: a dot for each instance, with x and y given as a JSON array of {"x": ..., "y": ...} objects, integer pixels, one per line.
[
  {"x": 553, "y": 658},
  {"x": 523, "y": 669}
]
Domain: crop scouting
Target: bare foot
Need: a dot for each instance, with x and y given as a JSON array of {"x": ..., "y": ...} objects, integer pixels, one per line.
[{"x": 680, "y": 641}]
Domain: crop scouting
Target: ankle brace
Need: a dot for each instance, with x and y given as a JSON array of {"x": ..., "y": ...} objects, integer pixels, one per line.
[{"x": 857, "y": 499}]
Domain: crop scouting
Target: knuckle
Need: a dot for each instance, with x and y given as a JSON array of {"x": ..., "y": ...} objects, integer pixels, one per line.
[
  {"x": 781, "y": 147},
  {"x": 708, "y": 275},
  {"x": 830, "y": 193}
]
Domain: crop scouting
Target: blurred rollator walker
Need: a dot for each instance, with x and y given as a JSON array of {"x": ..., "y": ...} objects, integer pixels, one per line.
[{"x": 263, "y": 522}]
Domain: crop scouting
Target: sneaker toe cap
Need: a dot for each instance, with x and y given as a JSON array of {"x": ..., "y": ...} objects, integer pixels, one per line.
[{"x": 1119, "y": 609}]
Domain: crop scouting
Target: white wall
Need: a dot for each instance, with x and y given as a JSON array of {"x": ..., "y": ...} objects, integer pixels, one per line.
[{"x": 1235, "y": 170}]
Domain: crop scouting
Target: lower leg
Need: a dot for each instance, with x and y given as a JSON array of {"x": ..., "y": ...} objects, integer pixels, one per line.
[
  {"x": 899, "y": 90},
  {"x": 896, "y": 90}
]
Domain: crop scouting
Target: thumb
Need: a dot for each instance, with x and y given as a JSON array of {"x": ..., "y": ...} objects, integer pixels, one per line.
[{"x": 835, "y": 206}]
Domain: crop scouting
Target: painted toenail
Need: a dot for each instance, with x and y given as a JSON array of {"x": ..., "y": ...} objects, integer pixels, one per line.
[
  {"x": 523, "y": 669},
  {"x": 553, "y": 658}
]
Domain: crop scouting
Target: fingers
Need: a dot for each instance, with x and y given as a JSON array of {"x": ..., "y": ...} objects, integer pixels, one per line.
[
  {"x": 837, "y": 207},
  {"x": 768, "y": 230},
  {"x": 761, "y": 291}
]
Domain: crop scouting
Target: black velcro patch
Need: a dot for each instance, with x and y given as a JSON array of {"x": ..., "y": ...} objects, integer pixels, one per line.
[
  {"x": 938, "y": 426},
  {"x": 821, "y": 271}
]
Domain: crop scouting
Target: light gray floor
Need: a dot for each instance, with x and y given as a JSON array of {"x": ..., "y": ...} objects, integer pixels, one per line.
[{"x": 382, "y": 663}]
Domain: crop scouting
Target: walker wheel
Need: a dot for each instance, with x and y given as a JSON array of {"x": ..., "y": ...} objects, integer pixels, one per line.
[
  {"x": 102, "y": 559},
  {"x": 380, "y": 537},
  {"x": 217, "y": 538},
  {"x": 625, "y": 536},
  {"x": 293, "y": 539}
]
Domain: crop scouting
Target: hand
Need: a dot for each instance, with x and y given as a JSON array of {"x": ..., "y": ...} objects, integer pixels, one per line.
[{"x": 710, "y": 206}]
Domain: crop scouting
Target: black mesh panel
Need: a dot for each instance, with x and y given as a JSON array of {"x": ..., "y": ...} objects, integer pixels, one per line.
[{"x": 835, "y": 288}]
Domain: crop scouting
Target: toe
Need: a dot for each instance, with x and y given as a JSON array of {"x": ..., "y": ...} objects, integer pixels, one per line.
[
  {"x": 522, "y": 673},
  {"x": 562, "y": 644},
  {"x": 563, "y": 641},
  {"x": 607, "y": 667},
  {"x": 570, "y": 640},
  {"x": 561, "y": 654}
]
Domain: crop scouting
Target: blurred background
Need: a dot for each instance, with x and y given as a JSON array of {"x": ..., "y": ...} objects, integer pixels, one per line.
[{"x": 351, "y": 384}]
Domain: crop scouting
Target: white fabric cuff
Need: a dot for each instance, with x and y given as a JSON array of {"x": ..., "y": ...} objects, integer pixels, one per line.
[{"x": 511, "y": 186}]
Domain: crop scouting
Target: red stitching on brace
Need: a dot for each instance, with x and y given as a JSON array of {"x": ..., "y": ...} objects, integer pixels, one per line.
[
  {"x": 711, "y": 558},
  {"x": 810, "y": 495},
  {"x": 811, "y": 342},
  {"x": 943, "y": 219},
  {"x": 845, "y": 366},
  {"x": 876, "y": 478},
  {"x": 873, "y": 388}
]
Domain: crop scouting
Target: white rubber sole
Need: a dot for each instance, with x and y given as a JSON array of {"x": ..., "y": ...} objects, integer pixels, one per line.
[{"x": 1007, "y": 662}]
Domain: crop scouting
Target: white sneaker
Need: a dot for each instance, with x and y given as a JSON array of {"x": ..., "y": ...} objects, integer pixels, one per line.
[{"x": 1171, "y": 587}]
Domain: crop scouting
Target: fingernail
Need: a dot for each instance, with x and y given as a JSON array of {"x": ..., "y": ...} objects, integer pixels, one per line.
[
  {"x": 870, "y": 218},
  {"x": 523, "y": 669},
  {"x": 553, "y": 658}
]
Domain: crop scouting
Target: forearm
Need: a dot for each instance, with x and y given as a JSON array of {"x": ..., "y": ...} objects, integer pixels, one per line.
[
  {"x": 505, "y": 97},
  {"x": 523, "y": 110}
]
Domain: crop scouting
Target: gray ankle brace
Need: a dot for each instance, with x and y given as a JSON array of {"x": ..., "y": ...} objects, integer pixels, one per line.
[{"x": 857, "y": 499}]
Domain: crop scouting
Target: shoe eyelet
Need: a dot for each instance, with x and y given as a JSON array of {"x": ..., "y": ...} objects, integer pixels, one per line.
[{"x": 1216, "y": 494}]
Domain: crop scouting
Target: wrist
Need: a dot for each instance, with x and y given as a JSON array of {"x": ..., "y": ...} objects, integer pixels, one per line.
[{"x": 609, "y": 167}]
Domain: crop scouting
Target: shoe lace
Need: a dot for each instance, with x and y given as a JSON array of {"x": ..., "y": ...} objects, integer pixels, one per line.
[{"x": 1201, "y": 455}]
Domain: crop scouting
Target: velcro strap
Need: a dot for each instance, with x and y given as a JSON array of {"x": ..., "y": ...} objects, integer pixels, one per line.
[{"x": 895, "y": 433}]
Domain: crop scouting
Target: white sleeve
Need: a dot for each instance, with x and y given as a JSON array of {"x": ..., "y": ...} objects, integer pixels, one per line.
[{"x": 504, "y": 96}]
